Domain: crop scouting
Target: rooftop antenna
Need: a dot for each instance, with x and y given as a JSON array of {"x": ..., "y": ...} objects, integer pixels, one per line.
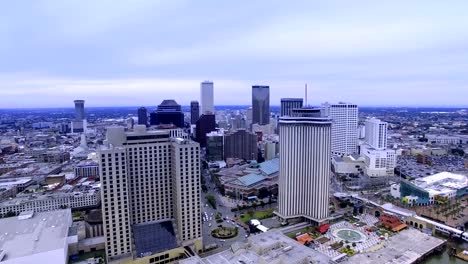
[{"x": 306, "y": 95}]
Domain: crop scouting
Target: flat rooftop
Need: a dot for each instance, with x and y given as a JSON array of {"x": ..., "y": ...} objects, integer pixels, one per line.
[
  {"x": 270, "y": 247},
  {"x": 403, "y": 248},
  {"x": 43, "y": 232}
]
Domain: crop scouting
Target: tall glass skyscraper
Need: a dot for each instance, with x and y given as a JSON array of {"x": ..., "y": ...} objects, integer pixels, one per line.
[
  {"x": 194, "y": 112},
  {"x": 142, "y": 116},
  {"x": 261, "y": 104},
  {"x": 79, "y": 110}
]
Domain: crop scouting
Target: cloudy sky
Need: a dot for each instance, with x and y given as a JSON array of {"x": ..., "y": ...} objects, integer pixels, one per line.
[{"x": 139, "y": 52}]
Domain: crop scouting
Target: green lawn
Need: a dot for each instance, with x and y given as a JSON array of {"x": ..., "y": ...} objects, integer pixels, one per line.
[{"x": 257, "y": 215}]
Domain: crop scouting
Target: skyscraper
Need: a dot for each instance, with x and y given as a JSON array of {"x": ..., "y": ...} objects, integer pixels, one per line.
[
  {"x": 288, "y": 104},
  {"x": 260, "y": 104},
  {"x": 207, "y": 97},
  {"x": 168, "y": 112},
  {"x": 79, "y": 110},
  {"x": 78, "y": 125},
  {"x": 150, "y": 194},
  {"x": 204, "y": 125},
  {"x": 376, "y": 133},
  {"x": 305, "y": 144},
  {"x": 142, "y": 116},
  {"x": 344, "y": 128},
  {"x": 194, "y": 112}
]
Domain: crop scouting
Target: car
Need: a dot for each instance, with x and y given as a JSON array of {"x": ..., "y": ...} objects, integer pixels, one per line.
[{"x": 209, "y": 224}]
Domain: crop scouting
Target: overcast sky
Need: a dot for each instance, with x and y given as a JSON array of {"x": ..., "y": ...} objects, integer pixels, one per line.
[{"x": 139, "y": 52}]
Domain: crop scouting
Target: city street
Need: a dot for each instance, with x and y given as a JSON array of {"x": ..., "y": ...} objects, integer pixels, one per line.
[{"x": 208, "y": 240}]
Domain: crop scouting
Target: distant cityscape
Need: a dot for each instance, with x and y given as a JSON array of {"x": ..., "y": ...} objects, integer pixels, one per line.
[{"x": 271, "y": 182}]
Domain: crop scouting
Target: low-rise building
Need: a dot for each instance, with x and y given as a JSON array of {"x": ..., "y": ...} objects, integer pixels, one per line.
[
  {"x": 352, "y": 164},
  {"x": 87, "y": 168},
  {"x": 250, "y": 180},
  {"x": 34, "y": 238},
  {"x": 43, "y": 202},
  {"x": 270, "y": 247},
  {"x": 432, "y": 189},
  {"x": 20, "y": 183},
  {"x": 8, "y": 192},
  {"x": 379, "y": 162}
]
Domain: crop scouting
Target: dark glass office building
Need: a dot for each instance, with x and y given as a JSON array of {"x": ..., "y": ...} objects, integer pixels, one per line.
[
  {"x": 169, "y": 112},
  {"x": 204, "y": 125},
  {"x": 260, "y": 104},
  {"x": 142, "y": 116},
  {"x": 194, "y": 112}
]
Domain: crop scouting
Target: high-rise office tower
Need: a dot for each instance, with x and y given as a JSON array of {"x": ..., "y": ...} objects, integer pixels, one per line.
[
  {"x": 142, "y": 116},
  {"x": 194, "y": 112},
  {"x": 169, "y": 112},
  {"x": 376, "y": 133},
  {"x": 240, "y": 144},
  {"x": 344, "y": 128},
  {"x": 79, "y": 110},
  {"x": 260, "y": 104},
  {"x": 215, "y": 146},
  {"x": 78, "y": 125},
  {"x": 288, "y": 104},
  {"x": 207, "y": 98},
  {"x": 305, "y": 144},
  {"x": 150, "y": 195},
  {"x": 204, "y": 125}
]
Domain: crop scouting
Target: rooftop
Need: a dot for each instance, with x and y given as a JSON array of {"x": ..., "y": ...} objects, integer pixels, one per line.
[
  {"x": 269, "y": 247},
  {"x": 404, "y": 248},
  {"x": 43, "y": 232},
  {"x": 251, "y": 179},
  {"x": 270, "y": 167}
]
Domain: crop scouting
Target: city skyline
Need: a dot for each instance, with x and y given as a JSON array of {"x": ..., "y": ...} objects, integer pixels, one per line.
[{"x": 134, "y": 53}]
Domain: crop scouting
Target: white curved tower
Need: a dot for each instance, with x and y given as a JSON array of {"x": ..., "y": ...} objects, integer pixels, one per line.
[{"x": 305, "y": 147}]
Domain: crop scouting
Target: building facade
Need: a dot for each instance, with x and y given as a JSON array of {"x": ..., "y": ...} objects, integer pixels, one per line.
[
  {"x": 194, "y": 112},
  {"x": 79, "y": 110},
  {"x": 288, "y": 104},
  {"x": 169, "y": 112},
  {"x": 207, "y": 98},
  {"x": 142, "y": 116},
  {"x": 305, "y": 145},
  {"x": 376, "y": 133},
  {"x": 150, "y": 183},
  {"x": 260, "y": 104},
  {"x": 378, "y": 162},
  {"x": 215, "y": 146},
  {"x": 240, "y": 144},
  {"x": 204, "y": 125},
  {"x": 52, "y": 201},
  {"x": 78, "y": 125},
  {"x": 344, "y": 127},
  {"x": 88, "y": 169}
]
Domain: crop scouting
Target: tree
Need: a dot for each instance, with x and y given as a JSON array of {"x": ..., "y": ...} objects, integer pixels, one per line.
[{"x": 211, "y": 200}]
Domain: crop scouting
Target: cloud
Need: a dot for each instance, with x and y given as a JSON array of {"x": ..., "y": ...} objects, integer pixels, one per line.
[{"x": 140, "y": 52}]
